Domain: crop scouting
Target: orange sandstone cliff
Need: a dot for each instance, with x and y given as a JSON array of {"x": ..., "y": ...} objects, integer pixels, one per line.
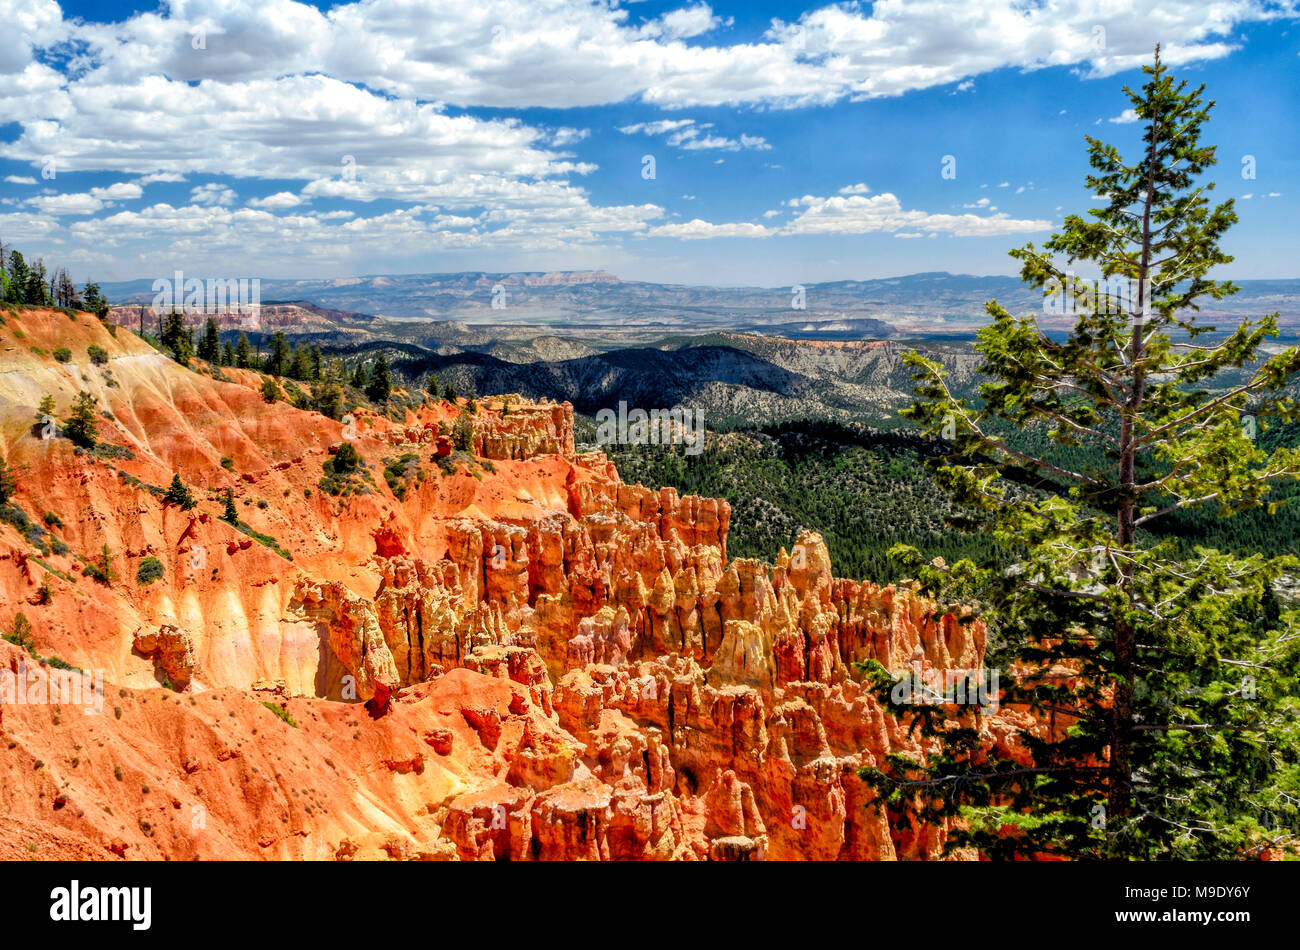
[{"x": 521, "y": 657}]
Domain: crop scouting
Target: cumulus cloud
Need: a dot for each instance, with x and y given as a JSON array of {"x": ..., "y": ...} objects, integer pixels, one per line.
[
  {"x": 279, "y": 200},
  {"x": 213, "y": 194},
  {"x": 559, "y": 53},
  {"x": 353, "y": 103},
  {"x": 861, "y": 214},
  {"x": 696, "y": 229}
]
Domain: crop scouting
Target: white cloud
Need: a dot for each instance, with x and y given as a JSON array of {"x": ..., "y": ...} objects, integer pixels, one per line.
[
  {"x": 558, "y": 53},
  {"x": 685, "y": 23},
  {"x": 691, "y": 135},
  {"x": 277, "y": 201},
  {"x": 120, "y": 191},
  {"x": 1126, "y": 117},
  {"x": 860, "y": 214},
  {"x": 696, "y": 229},
  {"x": 213, "y": 194},
  {"x": 67, "y": 203},
  {"x": 858, "y": 189},
  {"x": 20, "y": 179}
]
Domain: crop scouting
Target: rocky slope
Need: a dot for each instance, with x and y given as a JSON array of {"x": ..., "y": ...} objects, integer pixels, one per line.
[{"x": 519, "y": 657}]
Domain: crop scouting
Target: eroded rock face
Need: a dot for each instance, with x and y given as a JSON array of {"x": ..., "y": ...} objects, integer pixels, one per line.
[
  {"x": 559, "y": 665},
  {"x": 172, "y": 651}
]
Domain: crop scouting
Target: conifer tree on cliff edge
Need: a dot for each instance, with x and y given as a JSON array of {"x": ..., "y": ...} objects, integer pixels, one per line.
[{"x": 1162, "y": 677}]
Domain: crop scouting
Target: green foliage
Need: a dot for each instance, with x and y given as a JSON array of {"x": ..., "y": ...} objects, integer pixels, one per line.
[
  {"x": 98, "y": 355},
  {"x": 462, "y": 434},
  {"x": 230, "y": 513},
  {"x": 346, "y": 458},
  {"x": 281, "y": 712},
  {"x": 345, "y": 472},
  {"x": 177, "y": 338},
  {"x": 8, "y": 483},
  {"x": 402, "y": 473},
  {"x": 861, "y": 488},
  {"x": 1167, "y": 681},
  {"x": 210, "y": 342},
  {"x": 270, "y": 390},
  {"x": 82, "y": 424},
  {"x": 62, "y": 354},
  {"x": 150, "y": 570},
  {"x": 278, "y": 357},
  {"x": 20, "y": 633},
  {"x": 178, "y": 494},
  {"x": 101, "y": 570},
  {"x": 379, "y": 386}
]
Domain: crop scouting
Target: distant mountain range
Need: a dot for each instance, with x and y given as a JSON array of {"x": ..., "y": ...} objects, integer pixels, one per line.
[{"x": 927, "y": 303}]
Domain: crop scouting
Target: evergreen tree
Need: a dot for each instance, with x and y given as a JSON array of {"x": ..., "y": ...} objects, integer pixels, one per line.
[
  {"x": 327, "y": 395},
  {"x": 462, "y": 434},
  {"x": 36, "y": 293},
  {"x": 359, "y": 377},
  {"x": 82, "y": 424},
  {"x": 300, "y": 365},
  {"x": 176, "y": 338},
  {"x": 1161, "y": 679},
  {"x": 277, "y": 360},
  {"x": 210, "y": 344},
  {"x": 103, "y": 566},
  {"x": 94, "y": 300},
  {"x": 379, "y": 387},
  {"x": 230, "y": 514},
  {"x": 8, "y": 482},
  {"x": 228, "y": 354},
  {"x": 178, "y": 494},
  {"x": 243, "y": 352},
  {"x": 450, "y": 394},
  {"x": 15, "y": 291}
]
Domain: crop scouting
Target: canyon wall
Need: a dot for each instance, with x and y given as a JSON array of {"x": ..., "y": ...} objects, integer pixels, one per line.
[{"x": 503, "y": 653}]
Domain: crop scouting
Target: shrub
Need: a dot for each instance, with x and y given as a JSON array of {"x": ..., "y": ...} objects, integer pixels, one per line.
[
  {"x": 98, "y": 355},
  {"x": 281, "y": 712},
  {"x": 63, "y": 354},
  {"x": 346, "y": 459},
  {"x": 150, "y": 570},
  {"x": 227, "y": 463},
  {"x": 20, "y": 633}
]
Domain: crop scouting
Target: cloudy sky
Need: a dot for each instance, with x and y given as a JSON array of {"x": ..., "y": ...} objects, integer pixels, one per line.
[{"x": 736, "y": 143}]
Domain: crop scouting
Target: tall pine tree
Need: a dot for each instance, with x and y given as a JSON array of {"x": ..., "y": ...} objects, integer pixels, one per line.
[{"x": 1162, "y": 684}]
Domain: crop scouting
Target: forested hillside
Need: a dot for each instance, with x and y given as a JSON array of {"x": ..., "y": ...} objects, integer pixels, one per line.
[{"x": 866, "y": 489}]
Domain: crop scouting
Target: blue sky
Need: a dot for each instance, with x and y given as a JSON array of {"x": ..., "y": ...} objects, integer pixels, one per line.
[{"x": 790, "y": 143}]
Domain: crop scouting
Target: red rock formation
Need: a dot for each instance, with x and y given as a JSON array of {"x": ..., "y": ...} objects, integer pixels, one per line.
[{"x": 558, "y": 665}]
